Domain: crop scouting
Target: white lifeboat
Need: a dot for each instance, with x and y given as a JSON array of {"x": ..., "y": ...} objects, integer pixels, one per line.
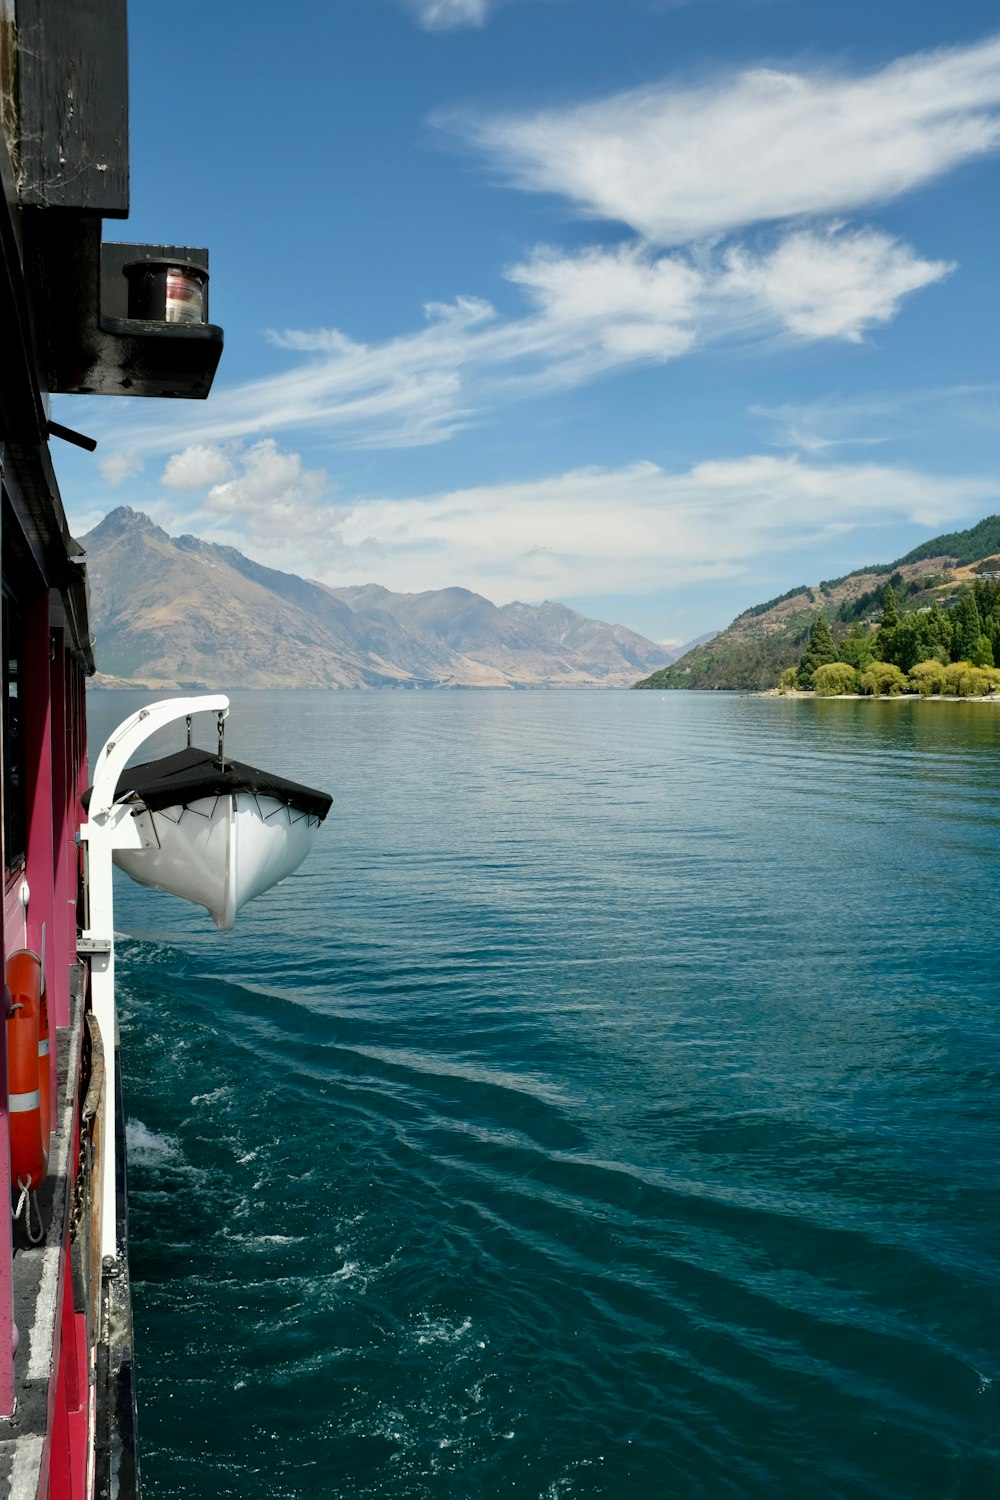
[{"x": 215, "y": 831}]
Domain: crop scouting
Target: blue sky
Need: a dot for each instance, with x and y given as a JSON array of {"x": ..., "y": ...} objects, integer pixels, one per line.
[{"x": 657, "y": 308}]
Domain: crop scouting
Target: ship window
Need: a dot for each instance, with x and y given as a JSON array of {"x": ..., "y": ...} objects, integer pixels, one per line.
[{"x": 14, "y": 817}]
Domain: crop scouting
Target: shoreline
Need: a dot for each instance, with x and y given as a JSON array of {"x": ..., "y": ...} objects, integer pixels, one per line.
[{"x": 876, "y": 697}]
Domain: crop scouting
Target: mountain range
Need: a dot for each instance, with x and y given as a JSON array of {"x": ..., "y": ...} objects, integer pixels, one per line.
[
  {"x": 181, "y": 613},
  {"x": 760, "y": 643}
]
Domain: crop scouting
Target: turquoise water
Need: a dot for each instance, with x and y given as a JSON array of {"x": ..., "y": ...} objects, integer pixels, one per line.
[{"x": 608, "y": 1108}]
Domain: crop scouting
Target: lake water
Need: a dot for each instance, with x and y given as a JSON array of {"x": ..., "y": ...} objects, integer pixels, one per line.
[{"x": 609, "y": 1107}]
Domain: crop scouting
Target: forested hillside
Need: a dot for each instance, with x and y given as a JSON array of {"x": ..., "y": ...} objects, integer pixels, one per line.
[
  {"x": 926, "y": 585},
  {"x": 950, "y": 649}
]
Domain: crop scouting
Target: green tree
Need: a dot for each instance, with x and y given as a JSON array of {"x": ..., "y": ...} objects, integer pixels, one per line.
[
  {"x": 819, "y": 651},
  {"x": 890, "y": 614},
  {"x": 986, "y": 592},
  {"x": 983, "y": 654},
  {"x": 967, "y": 627},
  {"x": 885, "y": 640},
  {"x": 788, "y": 680},
  {"x": 929, "y": 677},
  {"x": 953, "y": 676},
  {"x": 939, "y": 627},
  {"x": 882, "y": 677},
  {"x": 834, "y": 678},
  {"x": 968, "y": 681},
  {"x": 917, "y": 637},
  {"x": 904, "y": 644},
  {"x": 858, "y": 648}
]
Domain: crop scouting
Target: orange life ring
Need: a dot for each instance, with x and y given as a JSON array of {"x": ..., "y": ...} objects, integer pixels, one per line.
[{"x": 29, "y": 1135}]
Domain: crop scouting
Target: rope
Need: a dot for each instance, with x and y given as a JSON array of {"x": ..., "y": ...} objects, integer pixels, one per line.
[{"x": 27, "y": 1201}]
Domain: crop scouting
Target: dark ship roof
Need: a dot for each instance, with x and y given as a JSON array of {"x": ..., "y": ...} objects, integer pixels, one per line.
[{"x": 193, "y": 773}]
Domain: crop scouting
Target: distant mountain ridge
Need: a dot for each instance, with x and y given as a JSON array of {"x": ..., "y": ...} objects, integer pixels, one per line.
[
  {"x": 181, "y": 613},
  {"x": 755, "y": 649}
]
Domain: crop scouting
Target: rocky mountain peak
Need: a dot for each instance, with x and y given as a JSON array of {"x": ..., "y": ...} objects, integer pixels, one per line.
[{"x": 124, "y": 521}]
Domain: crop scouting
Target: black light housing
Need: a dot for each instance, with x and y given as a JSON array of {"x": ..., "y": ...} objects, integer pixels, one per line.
[
  {"x": 95, "y": 344},
  {"x": 167, "y": 291}
]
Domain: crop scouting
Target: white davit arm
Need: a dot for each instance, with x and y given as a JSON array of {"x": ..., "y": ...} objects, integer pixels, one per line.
[
  {"x": 127, "y": 738},
  {"x": 110, "y": 826}
]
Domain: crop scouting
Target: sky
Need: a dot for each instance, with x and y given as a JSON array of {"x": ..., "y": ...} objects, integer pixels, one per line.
[{"x": 654, "y": 307}]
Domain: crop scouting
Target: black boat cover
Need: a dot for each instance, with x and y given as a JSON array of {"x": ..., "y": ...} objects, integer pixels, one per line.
[{"x": 193, "y": 773}]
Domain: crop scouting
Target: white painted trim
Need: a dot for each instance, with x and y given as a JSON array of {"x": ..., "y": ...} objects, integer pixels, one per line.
[
  {"x": 44, "y": 1321},
  {"x": 25, "y": 1471}
]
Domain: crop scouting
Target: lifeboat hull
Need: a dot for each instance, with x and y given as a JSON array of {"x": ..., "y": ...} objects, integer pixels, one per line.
[{"x": 219, "y": 851}]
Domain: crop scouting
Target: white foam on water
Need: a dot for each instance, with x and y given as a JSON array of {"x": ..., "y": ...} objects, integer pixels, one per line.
[
  {"x": 347, "y": 1272},
  {"x": 441, "y": 1331},
  {"x": 260, "y": 1241},
  {"x": 151, "y": 1148},
  {"x": 222, "y": 1092},
  {"x": 566, "y": 1484}
]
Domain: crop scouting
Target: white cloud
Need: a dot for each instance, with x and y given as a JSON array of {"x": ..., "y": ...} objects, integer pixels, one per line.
[
  {"x": 197, "y": 466},
  {"x": 122, "y": 464},
  {"x": 272, "y": 490},
  {"x": 616, "y": 305},
  {"x": 681, "y": 162},
  {"x": 831, "y": 285},
  {"x": 635, "y": 529},
  {"x": 276, "y": 508},
  {"x": 590, "y": 313},
  {"x": 443, "y": 15}
]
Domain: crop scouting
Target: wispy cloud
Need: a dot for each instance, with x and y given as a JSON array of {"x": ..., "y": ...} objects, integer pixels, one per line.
[
  {"x": 588, "y": 314},
  {"x": 119, "y": 466},
  {"x": 879, "y": 417},
  {"x": 587, "y": 532},
  {"x": 445, "y": 15},
  {"x": 679, "y": 162}
]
